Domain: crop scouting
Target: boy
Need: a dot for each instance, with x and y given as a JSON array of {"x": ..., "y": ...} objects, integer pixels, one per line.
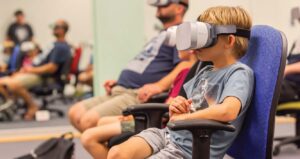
[
  {"x": 221, "y": 92},
  {"x": 94, "y": 139}
]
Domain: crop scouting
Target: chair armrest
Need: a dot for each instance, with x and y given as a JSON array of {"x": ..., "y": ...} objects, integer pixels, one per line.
[
  {"x": 201, "y": 130},
  {"x": 159, "y": 98},
  {"x": 147, "y": 115},
  {"x": 200, "y": 124}
]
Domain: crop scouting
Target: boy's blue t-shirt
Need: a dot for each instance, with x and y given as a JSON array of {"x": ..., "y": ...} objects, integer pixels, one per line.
[
  {"x": 211, "y": 87},
  {"x": 153, "y": 63}
]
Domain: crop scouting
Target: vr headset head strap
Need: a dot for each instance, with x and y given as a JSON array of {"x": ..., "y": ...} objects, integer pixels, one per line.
[{"x": 232, "y": 29}]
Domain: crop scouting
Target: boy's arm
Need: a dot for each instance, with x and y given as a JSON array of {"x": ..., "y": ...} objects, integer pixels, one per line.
[
  {"x": 292, "y": 68},
  {"x": 224, "y": 112},
  {"x": 164, "y": 84}
]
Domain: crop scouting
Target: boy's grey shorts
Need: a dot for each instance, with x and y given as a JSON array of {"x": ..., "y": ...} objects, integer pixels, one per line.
[{"x": 162, "y": 147}]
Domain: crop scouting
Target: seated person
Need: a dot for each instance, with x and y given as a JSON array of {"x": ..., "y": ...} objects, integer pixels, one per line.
[
  {"x": 94, "y": 139},
  {"x": 86, "y": 77},
  {"x": 50, "y": 66},
  {"x": 220, "y": 92},
  {"x": 290, "y": 90},
  {"x": 31, "y": 51},
  {"x": 151, "y": 72},
  {"x": 8, "y": 47}
]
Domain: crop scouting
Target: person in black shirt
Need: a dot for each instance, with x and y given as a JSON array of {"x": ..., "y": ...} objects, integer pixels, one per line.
[{"x": 19, "y": 31}]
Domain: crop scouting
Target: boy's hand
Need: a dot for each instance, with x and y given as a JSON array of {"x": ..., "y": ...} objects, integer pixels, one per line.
[
  {"x": 108, "y": 85},
  {"x": 179, "y": 105}
]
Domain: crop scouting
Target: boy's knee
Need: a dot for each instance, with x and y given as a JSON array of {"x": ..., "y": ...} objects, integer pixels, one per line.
[
  {"x": 86, "y": 139},
  {"x": 116, "y": 152}
]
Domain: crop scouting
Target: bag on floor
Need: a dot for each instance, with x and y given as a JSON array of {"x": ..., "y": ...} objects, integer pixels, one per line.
[{"x": 54, "y": 148}]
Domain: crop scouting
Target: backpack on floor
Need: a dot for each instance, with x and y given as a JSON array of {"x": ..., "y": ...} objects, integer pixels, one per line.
[{"x": 54, "y": 148}]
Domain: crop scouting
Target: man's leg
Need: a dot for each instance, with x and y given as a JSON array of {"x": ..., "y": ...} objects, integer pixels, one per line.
[
  {"x": 94, "y": 139},
  {"x": 22, "y": 92},
  {"x": 111, "y": 107},
  {"x": 77, "y": 111}
]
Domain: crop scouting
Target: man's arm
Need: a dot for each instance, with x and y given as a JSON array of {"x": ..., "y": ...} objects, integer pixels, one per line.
[
  {"x": 44, "y": 69},
  {"x": 292, "y": 69},
  {"x": 225, "y": 112}
]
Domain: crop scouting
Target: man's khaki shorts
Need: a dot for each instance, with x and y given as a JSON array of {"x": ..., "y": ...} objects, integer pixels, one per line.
[
  {"x": 28, "y": 80},
  {"x": 113, "y": 104}
]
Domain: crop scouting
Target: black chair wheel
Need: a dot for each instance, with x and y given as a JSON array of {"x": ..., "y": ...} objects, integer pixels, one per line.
[
  {"x": 276, "y": 151},
  {"x": 61, "y": 114}
]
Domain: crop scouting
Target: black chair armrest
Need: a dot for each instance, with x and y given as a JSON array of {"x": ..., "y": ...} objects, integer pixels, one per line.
[
  {"x": 201, "y": 130},
  {"x": 200, "y": 124},
  {"x": 147, "y": 115},
  {"x": 159, "y": 98}
]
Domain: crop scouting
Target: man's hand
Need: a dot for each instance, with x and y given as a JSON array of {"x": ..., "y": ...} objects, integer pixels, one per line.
[
  {"x": 27, "y": 70},
  {"x": 108, "y": 85},
  {"x": 179, "y": 105},
  {"x": 147, "y": 91}
]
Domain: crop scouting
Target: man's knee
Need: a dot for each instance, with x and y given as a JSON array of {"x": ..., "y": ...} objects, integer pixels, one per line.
[
  {"x": 89, "y": 120},
  {"x": 116, "y": 152},
  {"x": 76, "y": 111}
]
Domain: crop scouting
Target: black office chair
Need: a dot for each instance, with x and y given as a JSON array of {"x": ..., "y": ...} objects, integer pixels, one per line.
[
  {"x": 50, "y": 87},
  {"x": 291, "y": 109}
]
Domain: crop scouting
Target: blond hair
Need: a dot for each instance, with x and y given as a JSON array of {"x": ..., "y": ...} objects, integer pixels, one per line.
[{"x": 223, "y": 15}]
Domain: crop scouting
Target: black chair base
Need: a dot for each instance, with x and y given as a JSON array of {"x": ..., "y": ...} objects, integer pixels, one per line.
[
  {"x": 285, "y": 141},
  {"x": 289, "y": 140}
]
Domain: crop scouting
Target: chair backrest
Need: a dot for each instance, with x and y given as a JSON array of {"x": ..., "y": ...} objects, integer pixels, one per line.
[
  {"x": 267, "y": 57},
  {"x": 75, "y": 61},
  {"x": 13, "y": 61}
]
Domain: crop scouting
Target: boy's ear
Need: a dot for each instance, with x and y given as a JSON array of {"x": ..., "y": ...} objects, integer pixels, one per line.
[{"x": 230, "y": 41}]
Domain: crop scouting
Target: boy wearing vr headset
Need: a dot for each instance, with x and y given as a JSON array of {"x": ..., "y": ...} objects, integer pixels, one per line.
[
  {"x": 220, "y": 92},
  {"x": 151, "y": 72}
]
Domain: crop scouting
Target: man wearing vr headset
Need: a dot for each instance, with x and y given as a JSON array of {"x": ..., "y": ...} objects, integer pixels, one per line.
[
  {"x": 50, "y": 66},
  {"x": 220, "y": 92},
  {"x": 149, "y": 73}
]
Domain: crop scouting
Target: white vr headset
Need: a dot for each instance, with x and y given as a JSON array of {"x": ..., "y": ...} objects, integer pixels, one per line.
[
  {"x": 162, "y": 3},
  {"x": 197, "y": 35},
  {"x": 171, "y": 36}
]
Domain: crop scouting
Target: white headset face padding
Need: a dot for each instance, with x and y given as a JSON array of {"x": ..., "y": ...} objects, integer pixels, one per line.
[
  {"x": 171, "y": 36},
  {"x": 192, "y": 35}
]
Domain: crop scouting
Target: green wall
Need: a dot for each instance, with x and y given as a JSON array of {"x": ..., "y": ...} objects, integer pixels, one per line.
[{"x": 119, "y": 36}]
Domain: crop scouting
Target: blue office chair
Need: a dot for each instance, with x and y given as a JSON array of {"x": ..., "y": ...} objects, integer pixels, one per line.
[{"x": 267, "y": 57}]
